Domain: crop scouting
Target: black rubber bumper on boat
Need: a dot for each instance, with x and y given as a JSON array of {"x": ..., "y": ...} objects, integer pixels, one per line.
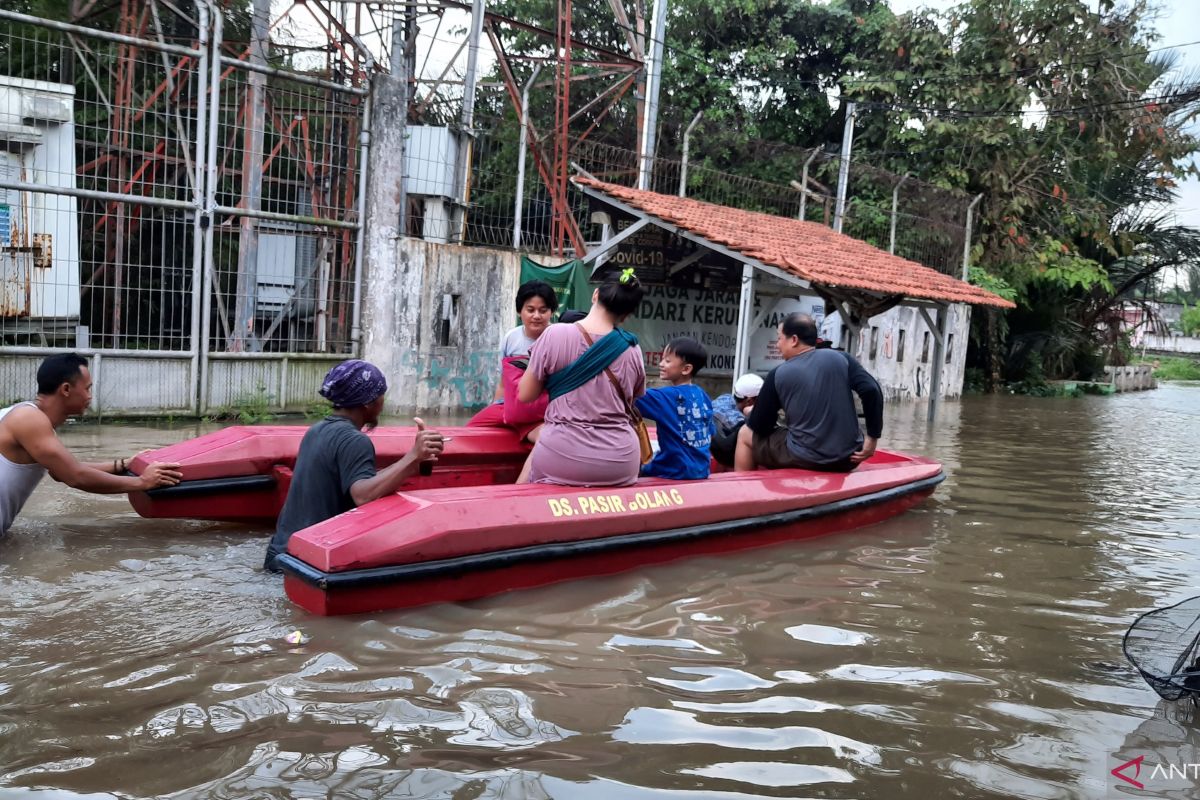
[
  {"x": 245, "y": 483},
  {"x": 375, "y": 576}
]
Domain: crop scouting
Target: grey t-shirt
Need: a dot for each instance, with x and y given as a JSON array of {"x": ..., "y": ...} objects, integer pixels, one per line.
[
  {"x": 814, "y": 391},
  {"x": 333, "y": 456},
  {"x": 516, "y": 343}
]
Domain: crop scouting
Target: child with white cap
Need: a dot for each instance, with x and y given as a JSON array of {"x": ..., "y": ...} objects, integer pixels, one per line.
[{"x": 729, "y": 413}]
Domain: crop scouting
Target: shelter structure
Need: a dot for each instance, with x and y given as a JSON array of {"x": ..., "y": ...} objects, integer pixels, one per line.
[{"x": 779, "y": 256}]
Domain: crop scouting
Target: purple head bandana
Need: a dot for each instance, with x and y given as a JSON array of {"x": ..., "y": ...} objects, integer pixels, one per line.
[{"x": 353, "y": 383}]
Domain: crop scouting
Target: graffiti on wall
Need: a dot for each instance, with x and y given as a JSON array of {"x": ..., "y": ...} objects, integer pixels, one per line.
[{"x": 450, "y": 379}]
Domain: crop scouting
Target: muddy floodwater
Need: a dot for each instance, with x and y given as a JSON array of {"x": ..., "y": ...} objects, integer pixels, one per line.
[{"x": 969, "y": 648}]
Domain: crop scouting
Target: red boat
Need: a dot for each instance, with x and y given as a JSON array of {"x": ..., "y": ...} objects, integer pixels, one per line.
[
  {"x": 242, "y": 473},
  {"x": 466, "y": 531}
]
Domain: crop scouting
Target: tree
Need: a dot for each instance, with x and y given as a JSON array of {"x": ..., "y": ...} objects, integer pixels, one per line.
[
  {"x": 1071, "y": 126},
  {"x": 1189, "y": 321}
]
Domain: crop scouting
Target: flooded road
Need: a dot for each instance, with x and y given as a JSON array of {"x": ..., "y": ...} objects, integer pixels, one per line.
[{"x": 970, "y": 648}]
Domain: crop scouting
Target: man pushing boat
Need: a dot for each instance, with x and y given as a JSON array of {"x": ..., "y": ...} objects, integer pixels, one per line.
[
  {"x": 29, "y": 447},
  {"x": 335, "y": 467}
]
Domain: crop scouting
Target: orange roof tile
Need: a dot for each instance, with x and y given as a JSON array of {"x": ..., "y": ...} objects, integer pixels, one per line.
[{"x": 807, "y": 250}]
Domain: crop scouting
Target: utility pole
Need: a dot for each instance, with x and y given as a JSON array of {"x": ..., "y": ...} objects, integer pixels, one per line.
[
  {"x": 654, "y": 75},
  {"x": 466, "y": 135},
  {"x": 402, "y": 56},
  {"x": 246, "y": 302},
  {"x": 895, "y": 209},
  {"x": 966, "y": 260},
  {"x": 517, "y": 211},
  {"x": 803, "y": 215},
  {"x": 683, "y": 162},
  {"x": 839, "y": 212}
]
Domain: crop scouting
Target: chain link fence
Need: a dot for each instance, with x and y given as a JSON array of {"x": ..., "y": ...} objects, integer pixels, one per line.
[
  {"x": 897, "y": 213},
  {"x": 98, "y": 184},
  {"x": 180, "y": 191},
  {"x": 288, "y": 160}
]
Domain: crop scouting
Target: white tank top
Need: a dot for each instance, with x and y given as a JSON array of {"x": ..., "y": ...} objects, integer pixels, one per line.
[{"x": 17, "y": 482}]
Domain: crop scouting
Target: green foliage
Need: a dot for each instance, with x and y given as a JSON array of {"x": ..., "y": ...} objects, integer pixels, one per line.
[
  {"x": 318, "y": 410},
  {"x": 993, "y": 283},
  {"x": 1033, "y": 378},
  {"x": 756, "y": 67},
  {"x": 1177, "y": 369},
  {"x": 974, "y": 381},
  {"x": 249, "y": 408},
  {"x": 1189, "y": 321}
]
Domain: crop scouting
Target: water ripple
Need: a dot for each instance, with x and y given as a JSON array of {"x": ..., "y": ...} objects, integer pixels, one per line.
[{"x": 969, "y": 648}]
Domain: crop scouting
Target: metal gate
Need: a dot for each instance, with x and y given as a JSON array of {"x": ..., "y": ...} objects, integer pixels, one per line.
[{"x": 177, "y": 209}]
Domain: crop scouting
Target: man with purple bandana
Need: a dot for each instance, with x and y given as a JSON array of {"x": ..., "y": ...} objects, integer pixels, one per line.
[{"x": 335, "y": 468}]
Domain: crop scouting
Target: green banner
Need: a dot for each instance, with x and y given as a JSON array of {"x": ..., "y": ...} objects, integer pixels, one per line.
[{"x": 569, "y": 280}]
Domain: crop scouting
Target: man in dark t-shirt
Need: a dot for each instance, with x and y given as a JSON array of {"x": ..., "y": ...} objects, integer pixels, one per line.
[
  {"x": 335, "y": 468},
  {"x": 813, "y": 389}
]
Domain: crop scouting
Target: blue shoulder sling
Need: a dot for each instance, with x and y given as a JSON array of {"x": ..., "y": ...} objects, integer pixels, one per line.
[{"x": 594, "y": 360}]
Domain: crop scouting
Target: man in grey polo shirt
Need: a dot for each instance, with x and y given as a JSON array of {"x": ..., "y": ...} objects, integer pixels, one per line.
[{"x": 813, "y": 389}]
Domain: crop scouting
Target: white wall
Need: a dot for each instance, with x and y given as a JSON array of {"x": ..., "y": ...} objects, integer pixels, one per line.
[
  {"x": 904, "y": 372},
  {"x": 1171, "y": 344}
]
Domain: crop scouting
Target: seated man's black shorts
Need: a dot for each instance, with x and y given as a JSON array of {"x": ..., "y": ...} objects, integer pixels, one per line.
[{"x": 772, "y": 452}]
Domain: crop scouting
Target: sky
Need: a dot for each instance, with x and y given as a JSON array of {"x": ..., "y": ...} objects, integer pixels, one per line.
[{"x": 1178, "y": 23}]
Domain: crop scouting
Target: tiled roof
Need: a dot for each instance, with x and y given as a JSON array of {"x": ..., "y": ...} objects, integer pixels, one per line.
[{"x": 807, "y": 250}]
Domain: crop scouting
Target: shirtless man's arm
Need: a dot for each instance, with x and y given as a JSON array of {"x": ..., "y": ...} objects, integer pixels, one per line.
[{"x": 32, "y": 432}]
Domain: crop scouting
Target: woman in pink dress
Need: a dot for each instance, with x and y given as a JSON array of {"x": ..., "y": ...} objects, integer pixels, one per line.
[{"x": 587, "y": 438}]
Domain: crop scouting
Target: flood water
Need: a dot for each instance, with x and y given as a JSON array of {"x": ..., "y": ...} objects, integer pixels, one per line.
[{"x": 970, "y": 648}]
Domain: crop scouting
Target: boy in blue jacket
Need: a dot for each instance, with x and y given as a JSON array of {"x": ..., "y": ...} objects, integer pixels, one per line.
[{"x": 682, "y": 414}]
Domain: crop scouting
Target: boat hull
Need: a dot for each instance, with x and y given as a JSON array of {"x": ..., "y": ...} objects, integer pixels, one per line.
[
  {"x": 405, "y": 557},
  {"x": 467, "y": 531}
]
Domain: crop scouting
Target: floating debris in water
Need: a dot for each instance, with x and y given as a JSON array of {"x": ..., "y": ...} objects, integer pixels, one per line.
[{"x": 297, "y": 637}]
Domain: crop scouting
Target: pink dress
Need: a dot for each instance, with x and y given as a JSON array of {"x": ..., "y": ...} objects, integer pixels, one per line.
[{"x": 587, "y": 439}]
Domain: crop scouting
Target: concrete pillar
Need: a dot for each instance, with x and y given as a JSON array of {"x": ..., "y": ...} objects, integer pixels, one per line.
[
  {"x": 404, "y": 334},
  {"x": 437, "y": 223},
  {"x": 392, "y": 286},
  {"x": 745, "y": 329}
]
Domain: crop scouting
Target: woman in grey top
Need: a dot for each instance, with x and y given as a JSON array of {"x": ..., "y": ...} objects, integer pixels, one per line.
[{"x": 536, "y": 304}]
